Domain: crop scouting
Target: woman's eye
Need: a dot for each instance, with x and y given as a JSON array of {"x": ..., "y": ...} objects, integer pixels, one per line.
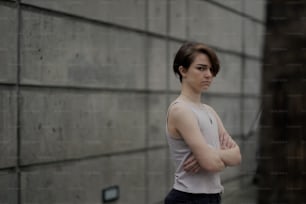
[{"x": 201, "y": 68}]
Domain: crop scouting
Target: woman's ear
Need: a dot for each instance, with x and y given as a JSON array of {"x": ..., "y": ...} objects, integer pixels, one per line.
[{"x": 182, "y": 70}]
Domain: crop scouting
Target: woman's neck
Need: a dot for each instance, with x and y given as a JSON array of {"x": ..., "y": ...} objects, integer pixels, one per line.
[{"x": 190, "y": 96}]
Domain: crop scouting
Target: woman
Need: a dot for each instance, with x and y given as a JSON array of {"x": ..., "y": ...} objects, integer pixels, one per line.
[{"x": 199, "y": 144}]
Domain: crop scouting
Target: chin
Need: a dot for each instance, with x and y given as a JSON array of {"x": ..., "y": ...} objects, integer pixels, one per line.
[{"x": 205, "y": 88}]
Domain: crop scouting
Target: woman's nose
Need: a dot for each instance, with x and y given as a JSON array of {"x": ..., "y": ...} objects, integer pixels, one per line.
[{"x": 208, "y": 73}]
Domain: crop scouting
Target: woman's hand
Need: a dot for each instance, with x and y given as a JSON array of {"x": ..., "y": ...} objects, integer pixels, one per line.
[
  {"x": 191, "y": 165},
  {"x": 226, "y": 142}
]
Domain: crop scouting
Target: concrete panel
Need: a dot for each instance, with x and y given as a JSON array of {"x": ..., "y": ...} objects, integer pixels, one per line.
[
  {"x": 249, "y": 148},
  {"x": 157, "y": 66},
  {"x": 127, "y": 53},
  {"x": 228, "y": 110},
  {"x": 252, "y": 77},
  {"x": 65, "y": 52},
  {"x": 129, "y": 172},
  {"x": 66, "y": 125},
  {"x": 254, "y": 36},
  {"x": 230, "y": 173},
  {"x": 157, "y": 119},
  {"x": 8, "y": 44},
  {"x": 8, "y": 138},
  {"x": 249, "y": 151},
  {"x": 157, "y": 175},
  {"x": 228, "y": 80},
  {"x": 256, "y": 8},
  {"x": 83, "y": 182},
  {"x": 178, "y": 18},
  {"x": 250, "y": 114},
  {"x": 8, "y": 188},
  {"x": 240, "y": 193},
  {"x": 229, "y": 189},
  {"x": 233, "y": 4},
  {"x": 214, "y": 26},
  {"x": 175, "y": 84},
  {"x": 157, "y": 19},
  {"x": 129, "y": 13}
]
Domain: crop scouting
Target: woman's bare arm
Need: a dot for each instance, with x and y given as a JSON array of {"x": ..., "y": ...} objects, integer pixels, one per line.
[
  {"x": 229, "y": 152},
  {"x": 186, "y": 126}
]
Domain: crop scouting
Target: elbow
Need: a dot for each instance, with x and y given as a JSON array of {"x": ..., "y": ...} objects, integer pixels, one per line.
[{"x": 238, "y": 159}]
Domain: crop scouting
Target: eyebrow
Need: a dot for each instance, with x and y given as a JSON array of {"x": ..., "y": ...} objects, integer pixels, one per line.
[{"x": 204, "y": 65}]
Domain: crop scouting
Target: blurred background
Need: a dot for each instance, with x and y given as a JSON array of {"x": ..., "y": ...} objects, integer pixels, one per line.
[{"x": 85, "y": 86}]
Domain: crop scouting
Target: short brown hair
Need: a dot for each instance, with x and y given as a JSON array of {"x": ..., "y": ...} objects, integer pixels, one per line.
[{"x": 187, "y": 53}]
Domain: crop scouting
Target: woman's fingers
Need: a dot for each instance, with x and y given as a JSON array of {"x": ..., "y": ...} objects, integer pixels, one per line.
[
  {"x": 230, "y": 143},
  {"x": 193, "y": 168},
  {"x": 222, "y": 139},
  {"x": 233, "y": 143},
  {"x": 197, "y": 169},
  {"x": 226, "y": 141},
  {"x": 191, "y": 165}
]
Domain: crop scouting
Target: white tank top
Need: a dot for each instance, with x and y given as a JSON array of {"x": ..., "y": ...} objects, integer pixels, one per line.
[{"x": 202, "y": 181}]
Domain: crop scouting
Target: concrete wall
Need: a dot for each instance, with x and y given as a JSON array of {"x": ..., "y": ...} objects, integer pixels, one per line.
[{"x": 85, "y": 86}]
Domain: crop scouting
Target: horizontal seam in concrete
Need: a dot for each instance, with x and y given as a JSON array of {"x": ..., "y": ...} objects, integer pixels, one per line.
[
  {"x": 8, "y": 3},
  {"x": 24, "y": 167},
  {"x": 92, "y": 157},
  {"x": 80, "y": 89},
  {"x": 252, "y": 18},
  {"x": 63, "y": 88},
  {"x": 64, "y": 162},
  {"x": 8, "y": 85},
  {"x": 34, "y": 8},
  {"x": 8, "y": 170}
]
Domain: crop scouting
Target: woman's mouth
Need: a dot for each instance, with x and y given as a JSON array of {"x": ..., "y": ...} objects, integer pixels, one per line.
[{"x": 205, "y": 82}]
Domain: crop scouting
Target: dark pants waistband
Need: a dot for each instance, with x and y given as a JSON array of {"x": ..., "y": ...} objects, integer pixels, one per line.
[{"x": 179, "y": 197}]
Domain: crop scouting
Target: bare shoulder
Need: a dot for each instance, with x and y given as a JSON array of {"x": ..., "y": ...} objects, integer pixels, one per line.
[
  {"x": 179, "y": 111},
  {"x": 180, "y": 120}
]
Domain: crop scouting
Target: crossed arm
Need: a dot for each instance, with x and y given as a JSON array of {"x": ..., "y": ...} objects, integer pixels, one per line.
[
  {"x": 203, "y": 156},
  {"x": 230, "y": 151},
  {"x": 229, "y": 154}
]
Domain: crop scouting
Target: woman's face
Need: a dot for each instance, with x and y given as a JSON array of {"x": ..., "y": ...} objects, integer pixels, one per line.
[{"x": 199, "y": 75}]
